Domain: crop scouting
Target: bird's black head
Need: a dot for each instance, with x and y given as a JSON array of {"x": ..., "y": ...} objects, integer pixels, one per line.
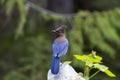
[{"x": 60, "y": 30}]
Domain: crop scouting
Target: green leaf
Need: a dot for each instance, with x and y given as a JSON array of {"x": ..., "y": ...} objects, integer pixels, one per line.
[
  {"x": 97, "y": 59},
  {"x": 93, "y": 61},
  {"x": 89, "y": 59},
  {"x": 68, "y": 62},
  {"x": 89, "y": 63},
  {"x": 104, "y": 69},
  {"x": 85, "y": 58},
  {"x": 100, "y": 67},
  {"x": 82, "y": 58},
  {"x": 109, "y": 73}
]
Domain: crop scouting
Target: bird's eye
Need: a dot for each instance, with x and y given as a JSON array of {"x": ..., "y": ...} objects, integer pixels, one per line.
[{"x": 58, "y": 31}]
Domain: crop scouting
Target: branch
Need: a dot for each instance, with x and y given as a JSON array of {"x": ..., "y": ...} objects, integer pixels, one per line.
[{"x": 29, "y": 4}]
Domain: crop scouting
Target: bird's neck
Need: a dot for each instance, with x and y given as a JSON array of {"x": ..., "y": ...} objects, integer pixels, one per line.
[
  {"x": 62, "y": 35},
  {"x": 60, "y": 39}
]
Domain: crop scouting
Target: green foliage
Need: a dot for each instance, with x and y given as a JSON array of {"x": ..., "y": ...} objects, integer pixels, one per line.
[
  {"x": 14, "y": 75},
  {"x": 2, "y": 1},
  {"x": 9, "y": 5},
  {"x": 23, "y": 12},
  {"x": 105, "y": 4},
  {"x": 93, "y": 61},
  {"x": 97, "y": 28},
  {"x": 26, "y": 58},
  {"x": 88, "y": 59},
  {"x": 109, "y": 73}
]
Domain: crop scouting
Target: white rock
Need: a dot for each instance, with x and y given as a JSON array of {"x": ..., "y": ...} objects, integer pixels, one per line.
[{"x": 66, "y": 73}]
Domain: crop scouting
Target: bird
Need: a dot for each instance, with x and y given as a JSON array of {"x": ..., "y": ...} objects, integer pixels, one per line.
[{"x": 59, "y": 48}]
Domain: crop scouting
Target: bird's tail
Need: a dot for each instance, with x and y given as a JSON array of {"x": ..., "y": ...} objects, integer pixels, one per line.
[{"x": 55, "y": 65}]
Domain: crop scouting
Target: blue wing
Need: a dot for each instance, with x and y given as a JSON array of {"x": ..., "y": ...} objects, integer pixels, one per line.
[
  {"x": 55, "y": 49},
  {"x": 60, "y": 49}
]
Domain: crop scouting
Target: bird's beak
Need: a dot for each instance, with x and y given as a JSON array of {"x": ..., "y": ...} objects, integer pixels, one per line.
[{"x": 53, "y": 31}]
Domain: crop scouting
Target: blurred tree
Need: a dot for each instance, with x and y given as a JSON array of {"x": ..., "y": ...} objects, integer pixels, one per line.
[{"x": 61, "y": 6}]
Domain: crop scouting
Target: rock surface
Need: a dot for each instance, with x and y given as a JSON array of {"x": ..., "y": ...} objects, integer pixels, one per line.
[{"x": 66, "y": 73}]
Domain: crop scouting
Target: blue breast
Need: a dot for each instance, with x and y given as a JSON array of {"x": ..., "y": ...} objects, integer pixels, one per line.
[{"x": 60, "y": 48}]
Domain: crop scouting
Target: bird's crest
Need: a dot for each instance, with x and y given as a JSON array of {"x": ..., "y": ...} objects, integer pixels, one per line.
[{"x": 58, "y": 28}]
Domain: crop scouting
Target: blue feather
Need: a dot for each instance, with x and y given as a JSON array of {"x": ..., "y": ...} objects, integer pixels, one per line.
[
  {"x": 60, "y": 48},
  {"x": 55, "y": 65}
]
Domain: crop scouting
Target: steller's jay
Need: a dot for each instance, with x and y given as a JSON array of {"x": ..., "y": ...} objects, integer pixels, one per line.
[{"x": 59, "y": 47}]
